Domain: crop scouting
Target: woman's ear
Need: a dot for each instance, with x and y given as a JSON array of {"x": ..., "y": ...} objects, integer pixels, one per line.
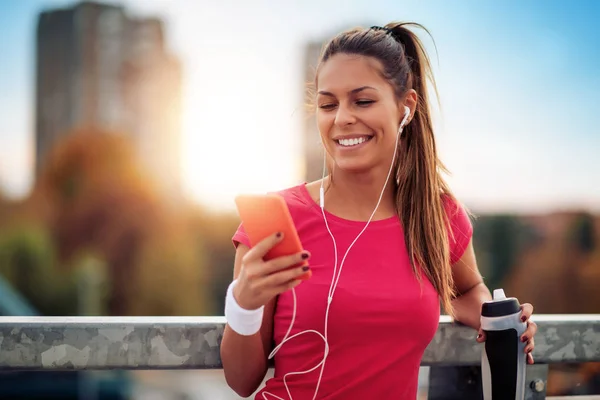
[{"x": 410, "y": 100}]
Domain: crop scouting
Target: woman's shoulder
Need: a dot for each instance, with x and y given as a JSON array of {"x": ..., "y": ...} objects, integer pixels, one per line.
[
  {"x": 452, "y": 204},
  {"x": 460, "y": 225},
  {"x": 298, "y": 198}
]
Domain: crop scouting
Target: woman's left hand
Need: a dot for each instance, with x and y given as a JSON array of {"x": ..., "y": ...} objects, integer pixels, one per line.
[{"x": 526, "y": 311}]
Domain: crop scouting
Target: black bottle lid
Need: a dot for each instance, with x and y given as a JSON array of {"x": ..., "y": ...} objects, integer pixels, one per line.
[{"x": 500, "y": 305}]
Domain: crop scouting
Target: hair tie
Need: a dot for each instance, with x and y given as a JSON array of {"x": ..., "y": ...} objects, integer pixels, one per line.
[
  {"x": 387, "y": 31},
  {"x": 382, "y": 28}
]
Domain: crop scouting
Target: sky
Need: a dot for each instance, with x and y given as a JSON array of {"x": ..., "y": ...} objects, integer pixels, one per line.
[{"x": 519, "y": 83}]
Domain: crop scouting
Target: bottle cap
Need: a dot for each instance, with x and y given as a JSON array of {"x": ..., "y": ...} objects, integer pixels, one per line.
[{"x": 500, "y": 305}]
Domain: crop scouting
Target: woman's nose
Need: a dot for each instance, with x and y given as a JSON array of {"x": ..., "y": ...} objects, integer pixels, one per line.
[{"x": 344, "y": 116}]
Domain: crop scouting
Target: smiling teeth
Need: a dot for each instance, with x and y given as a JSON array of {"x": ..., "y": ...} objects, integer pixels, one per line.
[{"x": 352, "y": 142}]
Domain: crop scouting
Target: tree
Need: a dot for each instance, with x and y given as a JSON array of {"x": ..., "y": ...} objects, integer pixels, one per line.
[
  {"x": 28, "y": 262},
  {"x": 99, "y": 201},
  {"x": 213, "y": 233},
  {"x": 497, "y": 240},
  {"x": 582, "y": 235}
]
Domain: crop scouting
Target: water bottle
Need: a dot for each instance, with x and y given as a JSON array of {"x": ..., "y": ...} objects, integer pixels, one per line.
[{"x": 503, "y": 359}]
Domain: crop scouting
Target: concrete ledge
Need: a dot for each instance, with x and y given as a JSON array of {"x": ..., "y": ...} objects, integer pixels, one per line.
[{"x": 68, "y": 343}]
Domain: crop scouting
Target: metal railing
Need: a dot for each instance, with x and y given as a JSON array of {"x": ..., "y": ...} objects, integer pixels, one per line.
[{"x": 137, "y": 343}]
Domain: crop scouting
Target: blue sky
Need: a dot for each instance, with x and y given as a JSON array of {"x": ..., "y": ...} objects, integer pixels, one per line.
[{"x": 519, "y": 85}]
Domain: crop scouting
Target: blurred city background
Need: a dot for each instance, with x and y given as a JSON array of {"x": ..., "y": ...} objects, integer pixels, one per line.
[{"x": 127, "y": 128}]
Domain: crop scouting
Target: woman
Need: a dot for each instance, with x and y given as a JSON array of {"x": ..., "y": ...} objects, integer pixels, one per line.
[{"x": 384, "y": 237}]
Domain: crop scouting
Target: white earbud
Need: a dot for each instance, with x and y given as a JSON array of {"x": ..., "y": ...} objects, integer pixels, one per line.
[{"x": 405, "y": 119}]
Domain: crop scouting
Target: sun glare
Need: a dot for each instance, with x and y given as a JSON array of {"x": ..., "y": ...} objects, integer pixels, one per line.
[
  {"x": 241, "y": 129},
  {"x": 221, "y": 159}
]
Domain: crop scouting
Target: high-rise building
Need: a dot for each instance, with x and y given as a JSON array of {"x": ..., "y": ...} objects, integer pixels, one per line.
[
  {"x": 313, "y": 149},
  {"x": 97, "y": 66}
]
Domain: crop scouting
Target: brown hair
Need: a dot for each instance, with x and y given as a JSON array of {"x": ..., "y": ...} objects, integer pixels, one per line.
[{"x": 420, "y": 188}]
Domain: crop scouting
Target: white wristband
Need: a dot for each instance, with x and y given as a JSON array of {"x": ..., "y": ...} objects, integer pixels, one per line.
[{"x": 244, "y": 322}]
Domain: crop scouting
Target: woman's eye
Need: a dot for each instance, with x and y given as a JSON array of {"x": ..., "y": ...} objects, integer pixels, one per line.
[
  {"x": 327, "y": 106},
  {"x": 364, "y": 103}
]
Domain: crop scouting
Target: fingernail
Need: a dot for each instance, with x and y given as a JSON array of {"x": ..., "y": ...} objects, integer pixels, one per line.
[
  {"x": 305, "y": 255},
  {"x": 479, "y": 336},
  {"x": 523, "y": 339},
  {"x": 305, "y": 268},
  {"x": 523, "y": 318}
]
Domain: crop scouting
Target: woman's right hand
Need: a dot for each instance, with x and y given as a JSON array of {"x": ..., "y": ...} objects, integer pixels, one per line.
[{"x": 259, "y": 281}]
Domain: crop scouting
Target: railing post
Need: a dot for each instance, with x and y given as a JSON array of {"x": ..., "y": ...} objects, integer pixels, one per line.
[
  {"x": 536, "y": 381},
  {"x": 447, "y": 383}
]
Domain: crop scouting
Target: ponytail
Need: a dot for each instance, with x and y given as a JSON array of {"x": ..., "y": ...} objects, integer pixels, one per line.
[{"x": 420, "y": 187}]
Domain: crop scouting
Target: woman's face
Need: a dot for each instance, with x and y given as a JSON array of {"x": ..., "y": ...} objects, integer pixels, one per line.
[{"x": 358, "y": 114}]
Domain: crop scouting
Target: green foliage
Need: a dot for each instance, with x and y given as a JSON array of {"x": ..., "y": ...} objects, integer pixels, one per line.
[
  {"x": 27, "y": 261},
  {"x": 213, "y": 236},
  {"x": 498, "y": 241},
  {"x": 582, "y": 236},
  {"x": 114, "y": 246}
]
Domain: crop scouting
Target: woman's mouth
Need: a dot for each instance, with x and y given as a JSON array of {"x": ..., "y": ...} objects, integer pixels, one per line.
[{"x": 353, "y": 142}]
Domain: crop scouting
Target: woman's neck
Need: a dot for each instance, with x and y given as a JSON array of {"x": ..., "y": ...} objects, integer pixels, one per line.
[{"x": 355, "y": 196}]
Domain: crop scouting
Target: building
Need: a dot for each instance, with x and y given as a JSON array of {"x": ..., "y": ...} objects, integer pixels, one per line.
[
  {"x": 97, "y": 66},
  {"x": 313, "y": 149}
]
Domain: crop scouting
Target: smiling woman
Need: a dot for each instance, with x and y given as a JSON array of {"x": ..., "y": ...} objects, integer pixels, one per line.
[{"x": 384, "y": 236}]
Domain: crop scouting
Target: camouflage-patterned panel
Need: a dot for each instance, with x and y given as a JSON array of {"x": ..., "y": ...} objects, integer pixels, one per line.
[
  {"x": 560, "y": 338},
  {"x": 109, "y": 343},
  {"x": 187, "y": 342}
]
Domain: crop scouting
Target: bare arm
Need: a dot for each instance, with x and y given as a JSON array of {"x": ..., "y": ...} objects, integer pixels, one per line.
[
  {"x": 258, "y": 284},
  {"x": 245, "y": 357},
  {"x": 472, "y": 291}
]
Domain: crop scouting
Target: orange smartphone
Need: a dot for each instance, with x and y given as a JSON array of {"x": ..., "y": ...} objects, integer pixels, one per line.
[{"x": 265, "y": 214}]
